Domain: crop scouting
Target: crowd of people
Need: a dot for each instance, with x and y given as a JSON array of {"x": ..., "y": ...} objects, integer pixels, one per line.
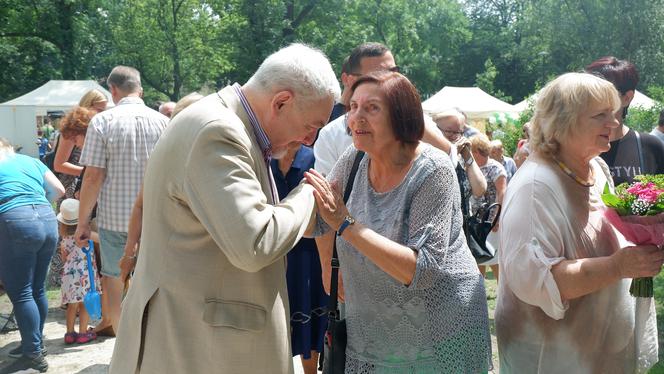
[{"x": 214, "y": 220}]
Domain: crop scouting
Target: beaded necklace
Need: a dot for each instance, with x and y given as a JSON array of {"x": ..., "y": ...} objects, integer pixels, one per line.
[{"x": 572, "y": 175}]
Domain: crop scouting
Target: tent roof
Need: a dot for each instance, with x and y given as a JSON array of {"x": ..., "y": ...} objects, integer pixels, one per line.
[
  {"x": 642, "y": 101},
  {"x": 470, "y": 100},
  {"x": 56, "y": 93}
]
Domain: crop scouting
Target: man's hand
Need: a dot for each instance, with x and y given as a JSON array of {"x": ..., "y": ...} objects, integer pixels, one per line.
[
  {"x": 127, "y": 265},
  {"x": 82, "y": 234}
]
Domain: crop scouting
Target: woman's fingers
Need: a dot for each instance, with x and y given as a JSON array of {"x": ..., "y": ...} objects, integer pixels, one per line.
[
  {"x": 316, "y": 181},
  {"x": 321, "y": 185}
]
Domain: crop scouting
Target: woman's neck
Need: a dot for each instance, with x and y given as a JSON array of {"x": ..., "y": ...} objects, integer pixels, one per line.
[
  {"x": 580, "y": 165},
  {"x": 387, "y": 169}
]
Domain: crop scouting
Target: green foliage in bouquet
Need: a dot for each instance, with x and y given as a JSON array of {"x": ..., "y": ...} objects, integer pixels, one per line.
[{"x": 643, "y": 197}]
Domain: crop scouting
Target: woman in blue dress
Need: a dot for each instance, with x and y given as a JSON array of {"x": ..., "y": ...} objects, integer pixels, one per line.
[{"x": 308, "y": 300}]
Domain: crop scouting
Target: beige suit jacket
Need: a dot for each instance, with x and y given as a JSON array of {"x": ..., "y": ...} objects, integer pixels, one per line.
[{"x": 211, "y": 270}]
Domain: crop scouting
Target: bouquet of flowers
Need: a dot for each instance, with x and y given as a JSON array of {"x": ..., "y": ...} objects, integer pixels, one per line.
[{"x": 637, "y": 212}]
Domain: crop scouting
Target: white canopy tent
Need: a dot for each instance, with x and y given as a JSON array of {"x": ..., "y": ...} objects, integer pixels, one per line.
[
  {"x": 18, "y": 116},
  {"x": 639, "y": 100},
  {"x": 643, "y": 101},
  {"x": 475, "y": 103}
]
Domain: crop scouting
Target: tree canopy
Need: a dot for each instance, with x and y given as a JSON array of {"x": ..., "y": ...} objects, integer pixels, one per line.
[{"x": 507, "y": 47}]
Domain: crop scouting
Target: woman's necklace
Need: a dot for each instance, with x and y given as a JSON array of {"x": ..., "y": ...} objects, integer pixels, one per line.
[{"x": 572, "y": 175}]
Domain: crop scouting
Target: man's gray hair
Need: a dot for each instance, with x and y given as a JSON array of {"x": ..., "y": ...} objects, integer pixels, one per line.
[
  {"x": 125, "y": 78},
  {"x": 300, "y": 68}
]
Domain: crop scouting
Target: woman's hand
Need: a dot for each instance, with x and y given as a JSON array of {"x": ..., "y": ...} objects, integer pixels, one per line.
[
  {"x": 463, "y": 148},
  {"x": 330, "y": 204},
  {"x": 638, "y": 261}
]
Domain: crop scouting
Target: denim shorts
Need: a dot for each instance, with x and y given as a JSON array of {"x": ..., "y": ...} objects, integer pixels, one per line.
[{"x": 112, "y": 248}]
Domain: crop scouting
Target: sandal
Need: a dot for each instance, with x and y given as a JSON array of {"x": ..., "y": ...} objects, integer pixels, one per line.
[
  {"x": 106, "y": 331},
  {"x": 70, "y": 337},
  {"x": 86, "y": 338}
]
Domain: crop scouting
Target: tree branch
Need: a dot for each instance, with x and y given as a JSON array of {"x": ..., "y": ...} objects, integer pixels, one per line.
[
  {"x": 303, "y": 13},
  {"x": 31, "y": 34}
]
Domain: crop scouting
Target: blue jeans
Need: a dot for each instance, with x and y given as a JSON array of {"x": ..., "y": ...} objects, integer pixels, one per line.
[{"x": 28, "y": 237}]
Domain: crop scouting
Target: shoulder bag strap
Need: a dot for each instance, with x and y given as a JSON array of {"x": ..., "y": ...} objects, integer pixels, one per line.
[
  {"x": 638, "y": 149},
  {"x": 333, "y": 311}
]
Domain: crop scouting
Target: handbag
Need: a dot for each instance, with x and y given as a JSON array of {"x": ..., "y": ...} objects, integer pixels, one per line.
[
  {"x": 49, "y": 157},
  {"x": 478, "y": 227},
  {"x": 334, "y": 361}
]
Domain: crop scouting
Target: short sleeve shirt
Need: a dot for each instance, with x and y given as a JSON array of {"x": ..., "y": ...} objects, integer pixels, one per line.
[
  {"x": 21, "y": 182},
  {"x": 492, "y": 170},
  {"x": 120, "y": 140}
]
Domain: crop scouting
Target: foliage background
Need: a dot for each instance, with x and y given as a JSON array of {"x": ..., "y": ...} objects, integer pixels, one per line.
[{"x": 509, "y": 48}]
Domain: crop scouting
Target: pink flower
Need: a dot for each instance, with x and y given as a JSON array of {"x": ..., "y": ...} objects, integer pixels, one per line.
[
  {"x": 649, "y": 196},
  {"x": 638, "y": 187}
]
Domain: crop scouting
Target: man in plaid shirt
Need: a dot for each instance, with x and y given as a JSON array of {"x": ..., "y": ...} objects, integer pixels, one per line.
[{"x": 117, "y": 146}]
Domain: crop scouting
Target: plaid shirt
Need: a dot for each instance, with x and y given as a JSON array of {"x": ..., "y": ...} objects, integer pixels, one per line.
[{"x": 120, "y": 140}]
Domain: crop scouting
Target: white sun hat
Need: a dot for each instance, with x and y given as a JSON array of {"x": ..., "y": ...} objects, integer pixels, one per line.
[{"x": 69, "y": 212}]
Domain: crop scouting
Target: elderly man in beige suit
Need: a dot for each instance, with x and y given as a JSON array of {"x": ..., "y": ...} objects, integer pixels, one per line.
[{"x": 209, "y": 292}]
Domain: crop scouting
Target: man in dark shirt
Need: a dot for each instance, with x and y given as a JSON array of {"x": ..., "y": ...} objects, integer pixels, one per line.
[{"x": 632, "y": 153}]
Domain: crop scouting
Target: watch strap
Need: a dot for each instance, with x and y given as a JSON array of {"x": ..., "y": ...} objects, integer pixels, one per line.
[{"x": 348, "y": 220}]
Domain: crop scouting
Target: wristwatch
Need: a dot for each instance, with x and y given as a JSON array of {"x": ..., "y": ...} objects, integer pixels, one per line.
[
  {"x": 469, "y": 161},
  {"x": 348, "y": 220}
]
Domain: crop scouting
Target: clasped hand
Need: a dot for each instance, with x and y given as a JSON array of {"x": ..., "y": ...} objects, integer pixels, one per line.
[
  {"x": 329, "y": 201},
  {"x": 639, "y": 261}
]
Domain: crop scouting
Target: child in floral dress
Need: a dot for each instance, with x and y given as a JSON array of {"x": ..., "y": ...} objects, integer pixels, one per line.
[{"x": 75, "y": 280}]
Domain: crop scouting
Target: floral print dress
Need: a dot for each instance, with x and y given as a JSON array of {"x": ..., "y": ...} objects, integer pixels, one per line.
[{"x": 75, "y": 280}]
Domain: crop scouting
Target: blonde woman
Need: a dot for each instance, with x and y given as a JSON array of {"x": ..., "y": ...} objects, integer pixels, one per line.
[
  {"x": 563, "y": 304},
  {"x": 94, "y": 99}
]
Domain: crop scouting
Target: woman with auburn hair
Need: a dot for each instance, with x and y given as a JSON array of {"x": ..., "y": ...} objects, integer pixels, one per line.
[
  {"x": 73, "y": 128},
  {"x": 415, "y": 300},
  {"x": 69, "y": 143},
  {"x": 564, "y": 303}
]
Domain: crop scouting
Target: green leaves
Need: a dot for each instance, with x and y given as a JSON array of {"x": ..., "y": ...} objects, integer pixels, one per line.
[
  {"x": 621, "y": 206},
  {"x": 507, "y": 47}
]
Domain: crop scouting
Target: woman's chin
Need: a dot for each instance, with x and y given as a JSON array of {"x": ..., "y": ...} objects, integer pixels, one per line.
[{"x": 359, "y": 144}]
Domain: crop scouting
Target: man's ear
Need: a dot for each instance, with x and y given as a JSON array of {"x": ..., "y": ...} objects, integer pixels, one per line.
[
  {"x": 346, "y": 81},
  {"x": 282, "y": 99}
]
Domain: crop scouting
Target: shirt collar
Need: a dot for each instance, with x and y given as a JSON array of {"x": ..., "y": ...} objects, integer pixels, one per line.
[
  {"x": 130, "y": 100},
  {"x": 261, "y": 136}
]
